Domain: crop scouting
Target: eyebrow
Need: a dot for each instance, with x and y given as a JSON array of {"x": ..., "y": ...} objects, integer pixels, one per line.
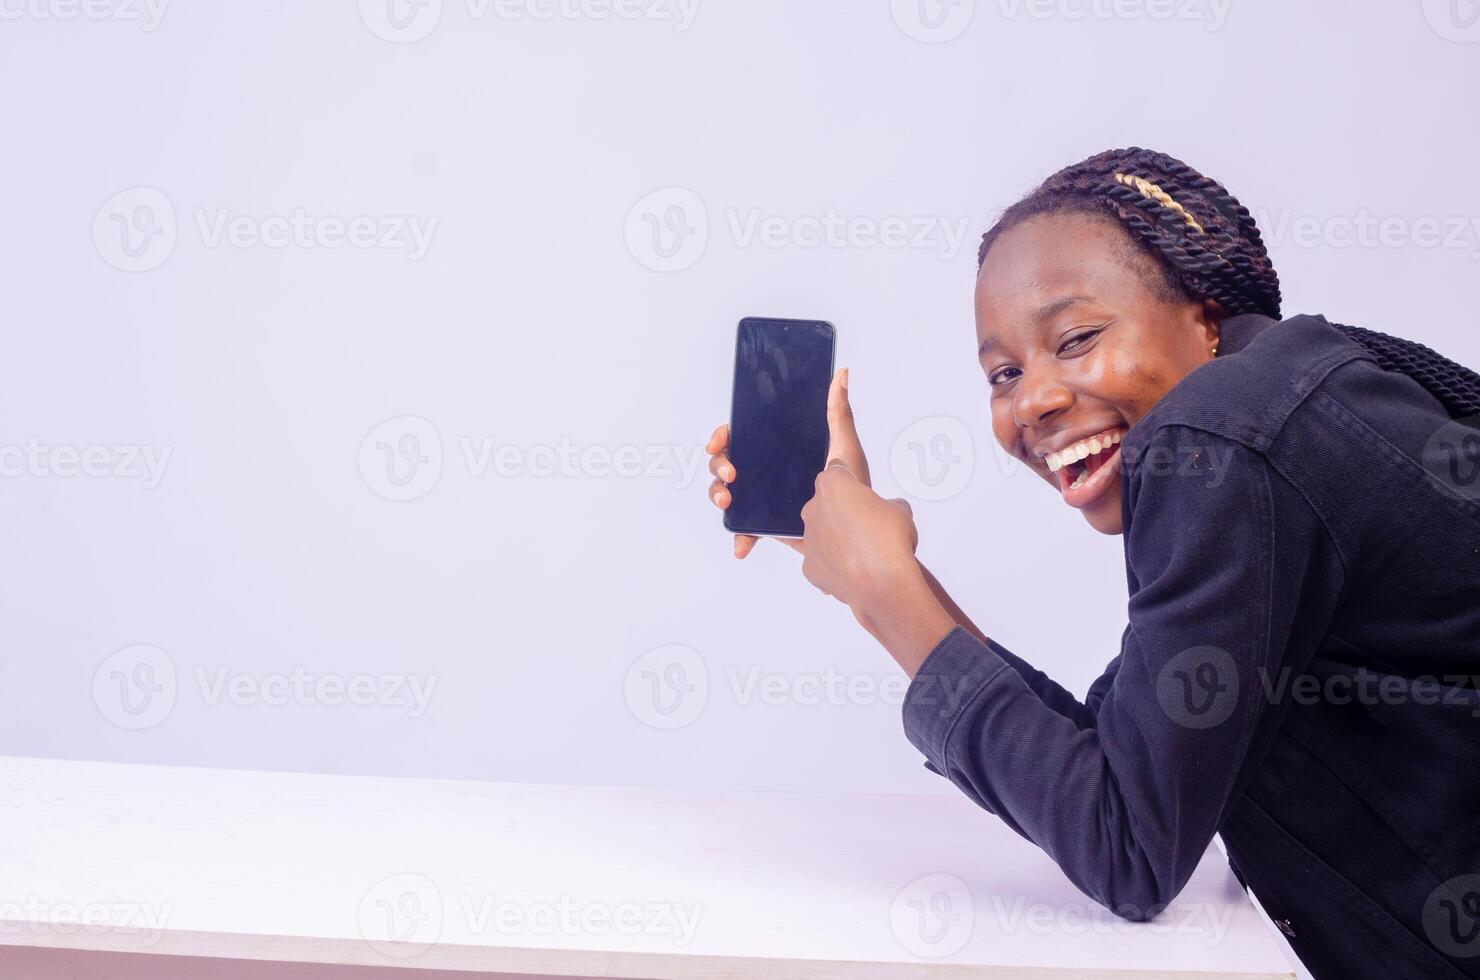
[{"x": 1047, "y": 312}]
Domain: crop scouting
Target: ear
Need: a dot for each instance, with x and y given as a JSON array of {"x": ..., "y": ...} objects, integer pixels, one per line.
[{"x": 1210, "y": 316}]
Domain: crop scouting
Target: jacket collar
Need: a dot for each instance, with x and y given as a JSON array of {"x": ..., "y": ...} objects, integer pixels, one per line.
[{"x": 1235, "y": 332}]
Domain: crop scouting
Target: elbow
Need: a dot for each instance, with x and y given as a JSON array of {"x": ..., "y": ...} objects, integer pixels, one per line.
[
  {"x": 1138, "y": 905},
  {"x": 1134, "y": 882},
  {"x": 1138, "y": 897},
  {"x": 1133, "y": 912}
]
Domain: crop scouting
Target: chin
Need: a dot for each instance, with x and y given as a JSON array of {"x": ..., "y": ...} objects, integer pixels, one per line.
[{"x": 1104, "y": 516}]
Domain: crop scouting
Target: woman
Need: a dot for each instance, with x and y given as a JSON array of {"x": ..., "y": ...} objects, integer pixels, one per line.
[{"x": 1301, "y": 515}]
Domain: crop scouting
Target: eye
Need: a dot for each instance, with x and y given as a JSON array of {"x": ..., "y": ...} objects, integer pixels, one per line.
[
  {"x": 1079, "y": 340},
  {"x": 1002, "y": 375}
]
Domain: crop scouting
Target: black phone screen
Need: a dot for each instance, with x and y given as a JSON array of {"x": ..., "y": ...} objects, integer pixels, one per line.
[{"x": 778, "y": 422}]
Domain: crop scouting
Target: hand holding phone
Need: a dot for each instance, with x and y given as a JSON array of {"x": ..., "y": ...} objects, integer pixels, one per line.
[{"x": 789, "y": 415}]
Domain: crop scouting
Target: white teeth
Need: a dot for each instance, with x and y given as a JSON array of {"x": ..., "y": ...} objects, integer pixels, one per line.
[
  {"x": 1079, "y": 480},
  {"x": 1085, "y": 447}
]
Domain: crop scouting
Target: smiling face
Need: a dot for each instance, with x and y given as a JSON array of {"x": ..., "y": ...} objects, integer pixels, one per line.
[{"x": 1079, "y": 338}]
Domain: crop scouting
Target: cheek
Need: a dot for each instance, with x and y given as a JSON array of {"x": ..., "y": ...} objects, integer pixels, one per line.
[
  {"x": 1005, "y": 430},
  {"x": 1131, "y": 381},
  {"x": 1002, "y": 424}
]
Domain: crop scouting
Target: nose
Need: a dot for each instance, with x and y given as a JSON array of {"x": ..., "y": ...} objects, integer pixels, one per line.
[{"x": 1039, "y": 395}]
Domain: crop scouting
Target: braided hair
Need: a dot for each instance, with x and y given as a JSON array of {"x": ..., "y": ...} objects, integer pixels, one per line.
[{"x": 1202, "y": 244}]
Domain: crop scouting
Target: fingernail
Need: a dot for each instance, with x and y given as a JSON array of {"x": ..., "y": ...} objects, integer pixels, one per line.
[{"x": 845, "y": 379}]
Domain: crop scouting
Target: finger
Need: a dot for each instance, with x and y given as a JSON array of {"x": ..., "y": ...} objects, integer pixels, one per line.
[
  {"x": 745, "y": 544},
  {"x": 719, "y": 441},
  {"x": 721, "y": 467},
  {"x": 842, "y": 435},
  {"x": 719, "y": 494}
]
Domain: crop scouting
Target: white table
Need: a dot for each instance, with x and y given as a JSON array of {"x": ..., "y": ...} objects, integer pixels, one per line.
[{"x": 566, "y": 880}]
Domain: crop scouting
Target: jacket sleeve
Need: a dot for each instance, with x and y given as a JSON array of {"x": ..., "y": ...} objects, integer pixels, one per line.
[
  {"x": 1053, "y": 696},
  {"x": 1233, "y": 576}
]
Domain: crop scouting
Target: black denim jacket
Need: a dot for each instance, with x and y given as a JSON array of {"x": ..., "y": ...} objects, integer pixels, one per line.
[{"x": 1302, "y": 543}]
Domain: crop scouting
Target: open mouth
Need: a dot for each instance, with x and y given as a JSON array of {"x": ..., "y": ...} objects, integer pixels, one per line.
[{"x": 1084, "y": 468}]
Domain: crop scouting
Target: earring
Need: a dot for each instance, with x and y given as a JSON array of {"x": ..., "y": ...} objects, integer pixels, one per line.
[{"x": 1215, "y": 350}]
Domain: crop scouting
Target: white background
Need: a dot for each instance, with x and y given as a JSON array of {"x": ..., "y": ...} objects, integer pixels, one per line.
[{"x": 542, "y": 154}]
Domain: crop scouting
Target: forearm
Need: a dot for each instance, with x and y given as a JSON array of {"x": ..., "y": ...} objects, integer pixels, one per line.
[
  {"x": 950, "y": 605},
  {"x": 1048, "y": 691},
  {"x": 907, "y": 616}
]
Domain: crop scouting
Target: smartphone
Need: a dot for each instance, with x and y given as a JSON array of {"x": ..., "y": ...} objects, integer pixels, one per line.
[{"x": 778, "y": 422}]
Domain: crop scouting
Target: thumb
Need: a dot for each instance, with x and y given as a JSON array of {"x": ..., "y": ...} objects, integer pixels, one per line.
[{"x": 842, "y": 436}]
